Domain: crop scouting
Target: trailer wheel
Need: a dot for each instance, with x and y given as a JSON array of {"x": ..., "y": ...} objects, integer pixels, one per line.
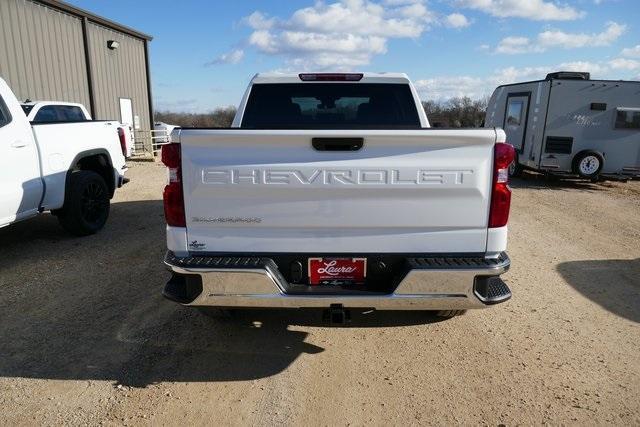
[
  {"x": 588, "y": 164},
  {"x": 515, "y": 168}
]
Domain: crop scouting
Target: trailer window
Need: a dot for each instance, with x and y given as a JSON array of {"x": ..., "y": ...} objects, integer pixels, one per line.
[
  {"x": 514, "y": 113},
  {"x": 628, "y": 118}
]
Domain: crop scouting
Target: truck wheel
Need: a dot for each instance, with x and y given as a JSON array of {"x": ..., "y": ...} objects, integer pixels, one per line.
[
  {"x": 448, "y": 314},
  {"x": 86, "y": 204},
  {"x": 515, "y": 168},
  {"x": 588, "y": 164}
]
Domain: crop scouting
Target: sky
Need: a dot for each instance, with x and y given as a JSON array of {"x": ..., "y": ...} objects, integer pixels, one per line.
[{"x": 204, "y": 53}]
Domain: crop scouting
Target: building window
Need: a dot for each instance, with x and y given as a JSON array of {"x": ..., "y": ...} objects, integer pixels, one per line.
[
  {"x": 628, "y": 118},
  {"x": 514, "y": 113}
]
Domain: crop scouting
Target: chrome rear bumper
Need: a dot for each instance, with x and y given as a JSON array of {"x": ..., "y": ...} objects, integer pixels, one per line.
[{"x": 443, "y": 283}]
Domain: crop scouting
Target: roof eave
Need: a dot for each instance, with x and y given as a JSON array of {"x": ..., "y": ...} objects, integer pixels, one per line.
[{"x": 73, "y": 10}]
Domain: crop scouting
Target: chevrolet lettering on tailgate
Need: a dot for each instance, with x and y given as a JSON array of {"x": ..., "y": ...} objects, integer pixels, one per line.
[{"x": 404, "y": 176}]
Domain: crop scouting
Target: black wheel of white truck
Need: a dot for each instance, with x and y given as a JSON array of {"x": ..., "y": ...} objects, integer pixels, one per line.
[
  {"x": 86, "y": 205},
  {"x": 588, "y": 164}
]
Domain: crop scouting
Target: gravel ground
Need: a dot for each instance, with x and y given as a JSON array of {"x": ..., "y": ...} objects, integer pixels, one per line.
[{"x": 87, "y": 338}]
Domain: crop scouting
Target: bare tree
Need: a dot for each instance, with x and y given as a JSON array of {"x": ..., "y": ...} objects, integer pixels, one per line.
[
  {"x": 220, "y": 117},
  {"x": 456, "y": 112}
]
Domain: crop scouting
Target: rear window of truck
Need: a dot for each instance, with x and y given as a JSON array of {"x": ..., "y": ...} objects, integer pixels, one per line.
[
  {"x": 330, "y": 106},
  {"x": 59, "y": 113}
]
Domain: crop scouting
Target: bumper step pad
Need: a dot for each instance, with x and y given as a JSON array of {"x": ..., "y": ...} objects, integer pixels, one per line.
[
  {"x": 216, "y": 261},
  {"x": 458, "y": 262},
  {"x": 491, "y": 290}
]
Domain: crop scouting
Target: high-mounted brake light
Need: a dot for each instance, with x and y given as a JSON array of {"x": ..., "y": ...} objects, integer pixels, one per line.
[
  {"x": 173, "y": 196},
  {"x": 123, "y": 141},
  {"x": 503, "y": 156},
  {"x": 330, "y": 77}
]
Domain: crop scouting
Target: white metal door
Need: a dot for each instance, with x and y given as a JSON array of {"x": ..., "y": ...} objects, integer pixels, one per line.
[
  {"x": 20, "y": 183},
  {"x": 126, "y": 111},
  {"x": 126, "y": 117}
]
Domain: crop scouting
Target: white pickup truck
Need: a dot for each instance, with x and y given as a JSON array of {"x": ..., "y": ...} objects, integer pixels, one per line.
[
  {"x": 331, "y": 191},
  {"x": 70, "y": 168},
  {"x": 56, "y": 111}
]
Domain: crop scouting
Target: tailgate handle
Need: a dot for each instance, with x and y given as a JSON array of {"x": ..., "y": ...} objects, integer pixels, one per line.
[{"x": 337, "y": 144}]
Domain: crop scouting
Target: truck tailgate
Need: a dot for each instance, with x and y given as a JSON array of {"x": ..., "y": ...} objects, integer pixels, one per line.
[{"x": 271, "y": 191}]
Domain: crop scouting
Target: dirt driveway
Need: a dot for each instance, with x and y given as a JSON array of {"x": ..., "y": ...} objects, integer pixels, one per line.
[{"x": 86, "y": 337}]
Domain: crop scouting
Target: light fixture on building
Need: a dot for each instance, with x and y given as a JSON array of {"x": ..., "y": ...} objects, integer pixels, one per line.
[{"x": 112, "y": 44}]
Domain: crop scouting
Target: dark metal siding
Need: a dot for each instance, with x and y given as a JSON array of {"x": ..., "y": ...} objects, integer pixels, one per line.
[{"x": 42, "y": 52}]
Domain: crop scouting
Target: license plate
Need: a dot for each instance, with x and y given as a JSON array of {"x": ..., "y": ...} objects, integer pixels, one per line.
[{"x": 337, "y": 271}]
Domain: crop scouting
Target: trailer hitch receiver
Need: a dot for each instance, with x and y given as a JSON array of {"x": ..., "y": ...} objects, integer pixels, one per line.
[{"x": 336, "y": 314}]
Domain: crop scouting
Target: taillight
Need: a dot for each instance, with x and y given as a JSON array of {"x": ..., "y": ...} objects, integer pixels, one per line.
[
  {"x": 503, "y": 156},
  {"x": 123, "y": 141},
  {"x": 330, "y": 77},
  {"x": 173, "y": 196}
]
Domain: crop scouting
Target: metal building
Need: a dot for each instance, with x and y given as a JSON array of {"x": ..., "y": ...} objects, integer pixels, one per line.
[{"x": 50, "y": 50}]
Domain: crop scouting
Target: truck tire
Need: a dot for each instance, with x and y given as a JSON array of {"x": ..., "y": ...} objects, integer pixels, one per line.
[
  {"x": 448, "y": 314},
  {"x": 86, "y": 204},
  {"x": 588, "y": 164}
]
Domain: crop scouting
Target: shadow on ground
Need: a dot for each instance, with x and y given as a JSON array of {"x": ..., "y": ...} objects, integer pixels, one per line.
[
  {"x": 612, "y": 284},
  {"x": 91, "y": 308}
]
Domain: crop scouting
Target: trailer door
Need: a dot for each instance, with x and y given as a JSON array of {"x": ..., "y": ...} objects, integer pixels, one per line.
[{"x": 515, "y": 119}]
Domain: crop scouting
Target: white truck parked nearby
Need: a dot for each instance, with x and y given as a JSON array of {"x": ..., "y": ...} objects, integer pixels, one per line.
[
  {"x": 54, "y": 111},
  {"x": 63, "y": 112},
  {"x": 70, "y": 168},
  {"x": 331, "y": 191}
]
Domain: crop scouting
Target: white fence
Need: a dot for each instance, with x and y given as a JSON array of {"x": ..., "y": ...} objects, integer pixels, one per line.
[{"x": 149, "y": 142}]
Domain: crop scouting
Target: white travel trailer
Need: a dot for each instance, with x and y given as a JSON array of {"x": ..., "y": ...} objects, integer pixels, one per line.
[{"x": 570, "y": 124}]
